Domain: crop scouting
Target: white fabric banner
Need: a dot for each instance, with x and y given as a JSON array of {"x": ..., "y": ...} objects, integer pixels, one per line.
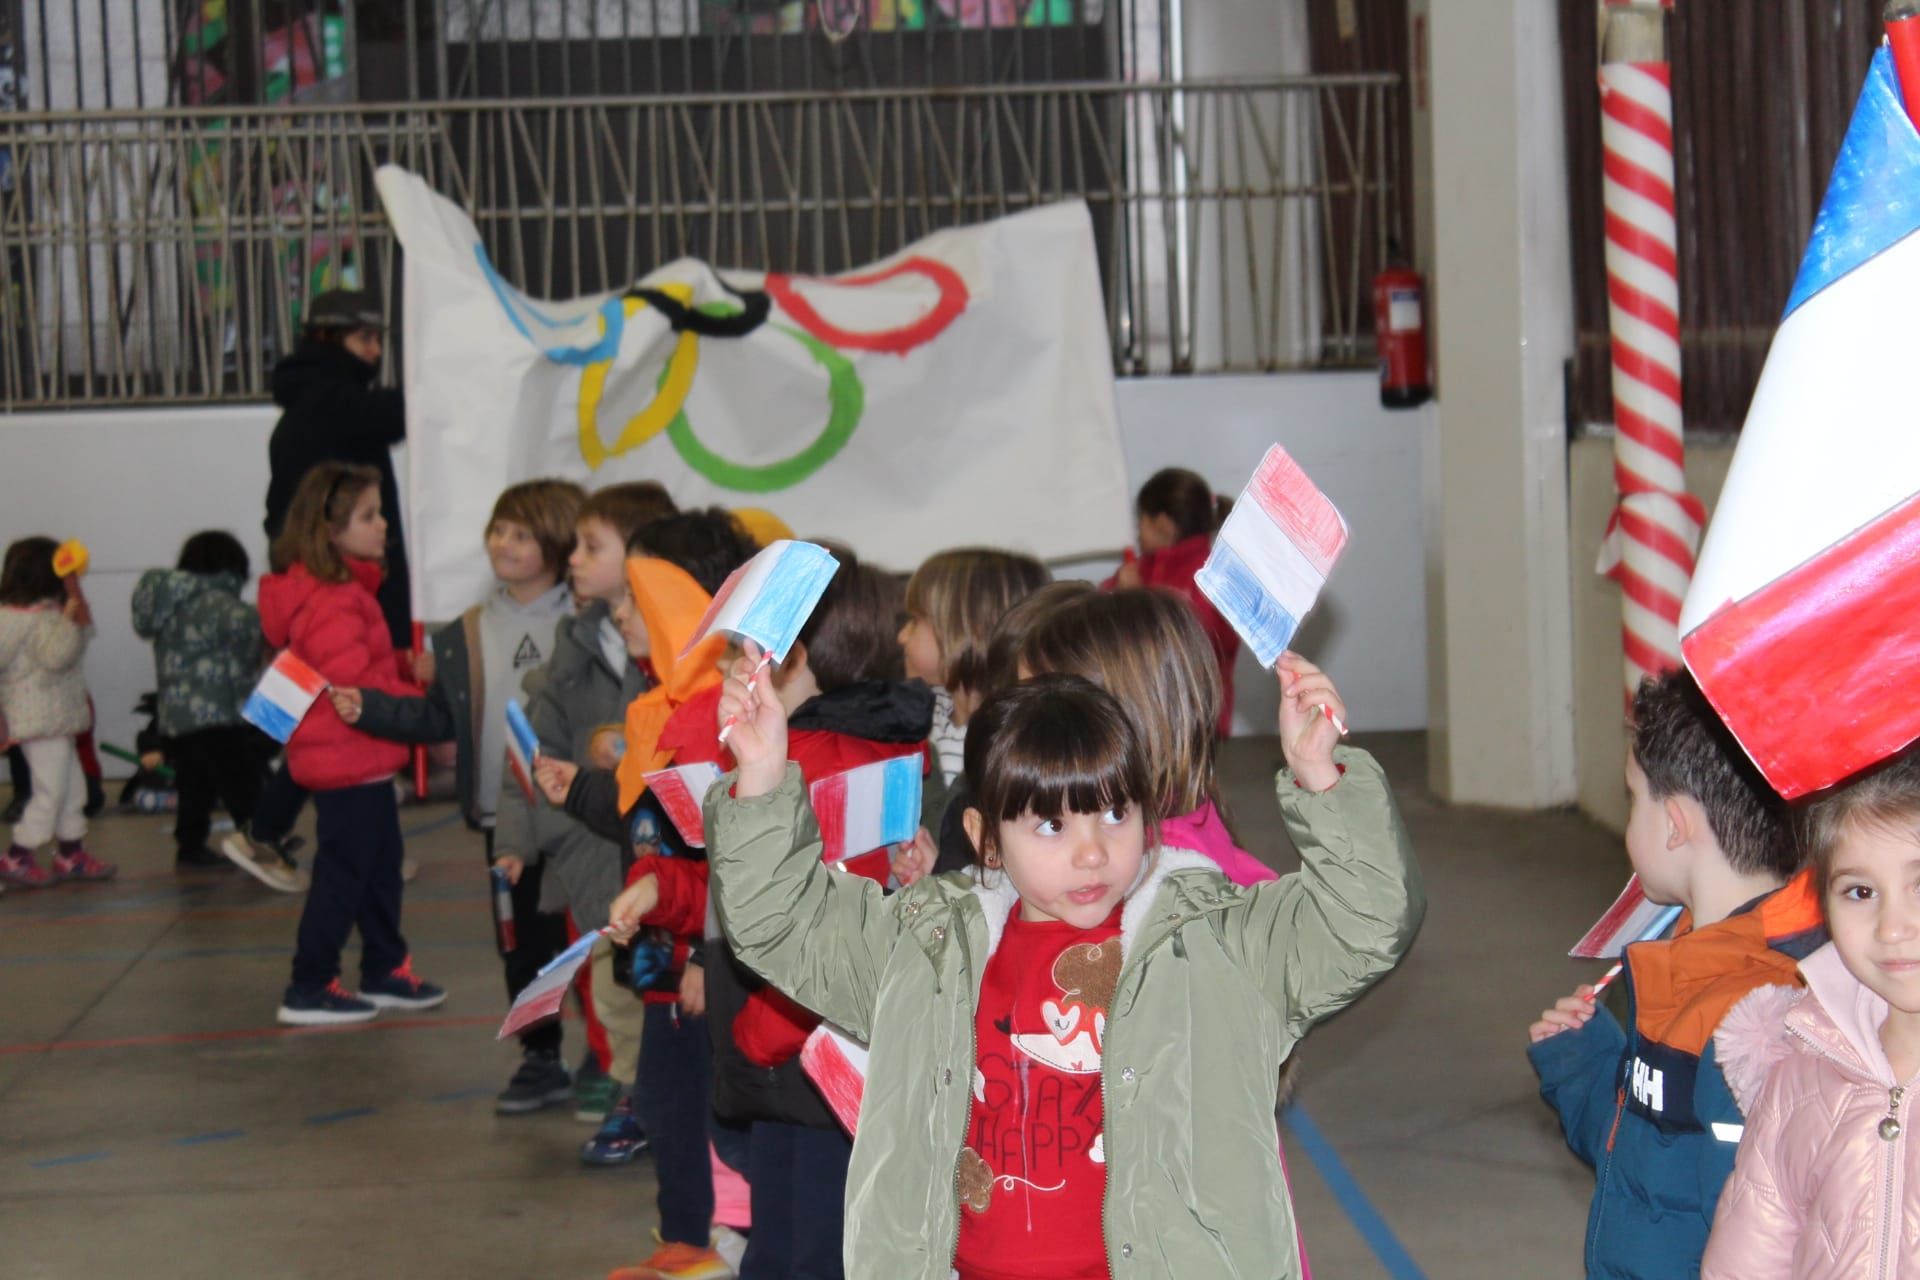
[{"x": 959, "y": 392}]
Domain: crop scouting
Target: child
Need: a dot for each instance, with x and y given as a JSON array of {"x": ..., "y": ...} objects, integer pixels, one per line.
[
  {"x": 320, "y": 603},
  {"x": 845, "y": 706},
  {"x": 1179, "y": 513},
  {"x": 1081, "y": 935},
  {"x": 1827, "y": 1182},
  {"x": 478, "y": 664},
  {"x": 206, "y": 657},
  {"x": 953, "y": 602},
  {"x": 43, "y": 707},
  {"x": 554, "y": 862},
  {"x": 1649, "y": 1107},
  {"x": 673, "y": 567},
  {"x": 1148, "y": 650}
]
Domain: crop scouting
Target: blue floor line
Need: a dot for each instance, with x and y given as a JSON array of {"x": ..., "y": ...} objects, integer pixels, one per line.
[
  {"x": 335, "y": 1117},
  {"x": 1346, "y": 1190},
  {"x": 84, "y": 1157},
  {"x": 202, "y": 1139}
]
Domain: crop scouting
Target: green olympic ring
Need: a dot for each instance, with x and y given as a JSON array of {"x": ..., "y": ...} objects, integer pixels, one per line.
[{"x": 846, "y": 401}]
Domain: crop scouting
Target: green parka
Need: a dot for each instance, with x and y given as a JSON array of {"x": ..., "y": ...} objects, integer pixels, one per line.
[{"x": 1217, "y": 984}]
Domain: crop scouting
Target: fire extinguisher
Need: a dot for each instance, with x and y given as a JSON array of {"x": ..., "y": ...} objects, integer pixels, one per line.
[{"x": 1400, "y": 329}]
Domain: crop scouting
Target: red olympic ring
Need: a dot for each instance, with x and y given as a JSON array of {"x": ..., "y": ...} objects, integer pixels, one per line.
[{"x": 897, "y": 341}]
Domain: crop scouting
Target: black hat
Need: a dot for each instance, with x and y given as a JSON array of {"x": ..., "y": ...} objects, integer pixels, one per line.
[{"x": 346, "y": 309}]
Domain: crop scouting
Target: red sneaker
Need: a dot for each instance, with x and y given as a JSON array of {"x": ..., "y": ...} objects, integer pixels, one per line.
[{"x": 81, "y": 865}]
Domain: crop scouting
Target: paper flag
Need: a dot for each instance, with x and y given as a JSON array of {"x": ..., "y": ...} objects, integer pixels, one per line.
[
  {"x": 864, "y": 810},
  {"x": 837, "y": 1065},
  {"x": 1631, "y": 918},
  {"x": 1272, "y": 556},
  {"x": 542, "y": 997},
  {"x": 1799, "y": 620},
  {"x": 682, "y": 791},
  {"x": 769, "y": 598},
  {"x": 281, "y": 700},
  {"x": 523, "y": 747}
]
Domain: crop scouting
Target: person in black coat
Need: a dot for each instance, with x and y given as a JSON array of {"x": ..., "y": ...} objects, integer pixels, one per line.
[{"x": 332, "y": 412}]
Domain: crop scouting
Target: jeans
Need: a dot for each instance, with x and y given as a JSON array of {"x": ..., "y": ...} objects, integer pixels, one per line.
[
  {"x": 671, "y": 1099},
  {"x": 356, "y": 884},
  {"x": 798, "y": 1177}
]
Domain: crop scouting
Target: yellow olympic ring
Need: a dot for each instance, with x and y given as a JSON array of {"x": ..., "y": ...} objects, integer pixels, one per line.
[{"x": 664, "y": 407}]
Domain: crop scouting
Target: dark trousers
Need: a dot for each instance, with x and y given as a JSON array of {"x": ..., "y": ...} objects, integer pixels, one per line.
[
  {"x": 17, "y": 770},
  {"x": 278, "y": 806},
  {"x": 539, "y": 936},
  {"x": 213, "y": 764},
  {"x": 798, "y": 1181},
  {"x": 671, "y": 1098},
  {"x": 356, "y": 885}
]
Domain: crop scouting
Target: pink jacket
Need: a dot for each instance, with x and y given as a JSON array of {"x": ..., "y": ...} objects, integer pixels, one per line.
[{"x": 1819, "y": 1191}]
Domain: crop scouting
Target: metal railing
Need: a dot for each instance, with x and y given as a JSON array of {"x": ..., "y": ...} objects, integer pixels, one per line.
[{"x": 165, "y": 255}]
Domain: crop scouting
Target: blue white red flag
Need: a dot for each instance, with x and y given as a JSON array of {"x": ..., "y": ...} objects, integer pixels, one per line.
[
  {"x": 769, "y": 598},
  {"x": 1799, "y": 624},
  {"x": 863, "y": 811},
  {"x": 1273, "y": 555},
  {"x": 541, "y": 998},
  {"x": 1631, "y": 918},
  {"x": 286, "y": 692},
  {"x": 523, "y": 748}
]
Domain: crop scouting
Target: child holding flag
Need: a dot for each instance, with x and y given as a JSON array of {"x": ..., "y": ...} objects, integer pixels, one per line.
[
  {"x": 846, "y": 707},
  {"x": 555, "y": 862},
  {"x": 1085, "y": 962},
  {"x": 479, "y": 662},
  {"x": 320, "y": 604},
  {"x": 1649, "y": 1106}
]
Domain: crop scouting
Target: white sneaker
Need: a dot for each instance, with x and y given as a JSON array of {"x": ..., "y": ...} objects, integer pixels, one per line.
[
  {"x": 260, "y": 861},
  {"x": 409, "y": 868}
]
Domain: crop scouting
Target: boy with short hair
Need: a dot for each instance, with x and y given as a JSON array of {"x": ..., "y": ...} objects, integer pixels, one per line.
[
  {"x": 479, "y": 661},
  {"x": 1648, "y": 1106},
  {"x": 556, "y": 863}
]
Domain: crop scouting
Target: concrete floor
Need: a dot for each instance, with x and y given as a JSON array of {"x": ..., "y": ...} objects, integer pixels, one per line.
[{"x": 155, "y": 1123}]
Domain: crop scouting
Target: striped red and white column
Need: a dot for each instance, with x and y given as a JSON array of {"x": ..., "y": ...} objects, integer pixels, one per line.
[{"x": 1654, "y": 533}]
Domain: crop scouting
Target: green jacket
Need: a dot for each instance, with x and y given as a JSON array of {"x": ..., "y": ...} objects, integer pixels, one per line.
[
  {"x": 1216, "y": 986},
  {"x": 207, "y": 646}
]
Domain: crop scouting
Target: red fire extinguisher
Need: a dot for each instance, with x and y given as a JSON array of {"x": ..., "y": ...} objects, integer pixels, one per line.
[{"x": 1400, "y": 329}]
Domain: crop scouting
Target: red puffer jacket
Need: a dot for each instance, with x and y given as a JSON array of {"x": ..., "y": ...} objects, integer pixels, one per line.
[{"x": 337, "y": 629}]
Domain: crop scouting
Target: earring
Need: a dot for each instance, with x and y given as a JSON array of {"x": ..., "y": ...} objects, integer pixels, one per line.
[{"x": 993, "y": 862}]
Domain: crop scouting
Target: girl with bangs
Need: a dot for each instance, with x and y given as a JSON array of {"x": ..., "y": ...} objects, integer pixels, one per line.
[{"x": 1075, "y": 1047}]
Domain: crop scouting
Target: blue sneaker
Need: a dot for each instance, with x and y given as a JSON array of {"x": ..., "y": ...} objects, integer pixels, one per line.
[
  {"x": 619, "y": 1139},
  {"x": 324, "y": 1006},
  {"x": 401, "y": 990}
]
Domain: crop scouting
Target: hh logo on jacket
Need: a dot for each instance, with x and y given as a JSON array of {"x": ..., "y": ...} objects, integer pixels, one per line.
[{"x": 1659, "y": 1080}]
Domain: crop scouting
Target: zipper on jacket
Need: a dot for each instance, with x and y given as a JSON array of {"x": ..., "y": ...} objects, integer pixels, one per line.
[
  {"x": 1890, "y": 1129},
  {"x": 966, "y": 1125}
]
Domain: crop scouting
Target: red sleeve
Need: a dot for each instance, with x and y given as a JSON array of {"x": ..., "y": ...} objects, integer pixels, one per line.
[
  {"x": 692, "y": 732},
  {"x": 770, "y": 1028},
  {"x": 682, "y": 908},
  {"x": 331, "y": 637}
]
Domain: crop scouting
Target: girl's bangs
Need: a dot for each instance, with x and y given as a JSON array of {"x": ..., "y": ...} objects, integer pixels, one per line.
[{"x": 1049, "y": 770}]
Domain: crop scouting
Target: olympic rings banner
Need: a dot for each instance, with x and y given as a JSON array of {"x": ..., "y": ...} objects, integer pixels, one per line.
[{"x": 959, "y": 392}]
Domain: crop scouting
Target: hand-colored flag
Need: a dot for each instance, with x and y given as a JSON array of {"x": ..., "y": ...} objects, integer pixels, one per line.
[
  {"x": 1631, "y": 918},
  {"x": 541, "y": 998},
  {"x": 523, "y": 748},
  {"x": 1799, "y": 624},
  {"x": 769, "y": 598},
  {"x": 1272, "y": 556},
  {"x": 863, "y": 811},
  {"x": 682, "y": 791},
  {"x": 286, "y": 692}
]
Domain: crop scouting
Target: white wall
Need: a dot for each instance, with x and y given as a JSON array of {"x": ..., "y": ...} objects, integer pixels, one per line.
[{"x": 133, "y": 484}]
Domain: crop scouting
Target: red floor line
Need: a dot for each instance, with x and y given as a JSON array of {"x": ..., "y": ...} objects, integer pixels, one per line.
[
  {"x": 265, "y": 909},
  {"x": 250, "y": 1033}
]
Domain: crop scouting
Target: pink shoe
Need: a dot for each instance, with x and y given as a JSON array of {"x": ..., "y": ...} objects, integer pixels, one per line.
[
  {"x": 18, "y": 867},
  {"x": 81, "y": 865}
]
